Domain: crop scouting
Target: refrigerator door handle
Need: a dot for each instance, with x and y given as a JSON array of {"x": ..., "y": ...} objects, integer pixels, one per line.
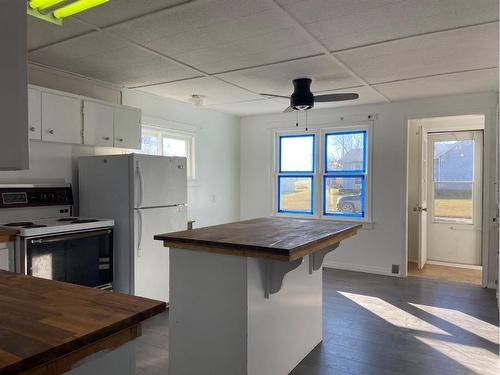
[
  {"x": 141, "y": 183},
  {"x": 139, "y": 233}
]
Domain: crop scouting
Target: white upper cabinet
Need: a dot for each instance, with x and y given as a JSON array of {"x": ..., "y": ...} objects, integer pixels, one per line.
[
  {"x": 35, "y": 114},
  {"x": 98, "y": 124},
  {"x": 61, "y": 118},
  {"x": 127, "y": 126}
]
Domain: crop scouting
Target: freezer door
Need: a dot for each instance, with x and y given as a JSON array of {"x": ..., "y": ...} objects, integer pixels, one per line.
[
  {"x": 159, "y": 181},
  {"x": 151, "y": 266}
]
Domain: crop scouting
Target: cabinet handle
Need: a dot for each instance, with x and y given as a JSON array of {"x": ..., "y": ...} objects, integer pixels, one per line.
[
  {"x": 51, "y": 131},
  {"x": 32, "y": 129},
  {"x": 105, "y": 138},
  {"x": 120, "y": 139}
]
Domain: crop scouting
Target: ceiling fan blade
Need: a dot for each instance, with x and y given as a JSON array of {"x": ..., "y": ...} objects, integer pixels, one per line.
[
  {"x": 275, "y": 96},
  {"x": 335, "y": 97},
  {"x": 288, "y": 109}
]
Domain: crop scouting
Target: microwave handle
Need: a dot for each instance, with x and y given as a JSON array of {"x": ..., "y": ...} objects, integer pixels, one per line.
[
  {"x": 139, "y": 233},
  {"x": 68, "y": 237},
  {"x": 141, "y": 183}
]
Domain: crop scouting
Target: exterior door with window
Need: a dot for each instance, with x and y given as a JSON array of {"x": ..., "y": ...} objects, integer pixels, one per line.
[{"x": 455, "y": 197}]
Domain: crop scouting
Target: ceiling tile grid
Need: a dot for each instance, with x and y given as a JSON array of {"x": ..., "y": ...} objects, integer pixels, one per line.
[
  {"x": 452, "y": 51},
  {"x": 341, "y": 24},
  {"x": 277, "y": 79},
  {"x": 396, "y": 46}
]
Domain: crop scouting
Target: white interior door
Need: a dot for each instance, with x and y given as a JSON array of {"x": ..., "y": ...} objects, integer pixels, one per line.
[
  {"x": 422, "y": 207},
  {"x": 455, "y": 197},
  {"x": 151, "y": 266}
]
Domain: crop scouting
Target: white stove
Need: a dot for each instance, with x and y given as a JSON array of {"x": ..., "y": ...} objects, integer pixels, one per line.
[
  {"x": 57, "y": 225},
  {"x": 52, "y": 243}
]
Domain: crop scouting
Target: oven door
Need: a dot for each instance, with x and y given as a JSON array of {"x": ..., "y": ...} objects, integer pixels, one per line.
[{"x": 83, "y": 258}]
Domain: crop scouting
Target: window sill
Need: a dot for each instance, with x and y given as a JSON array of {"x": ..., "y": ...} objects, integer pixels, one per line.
[{"x": 365, "y": 223}]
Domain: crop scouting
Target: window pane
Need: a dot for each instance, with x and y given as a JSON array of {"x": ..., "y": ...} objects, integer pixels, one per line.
[
  {"x": 453, "y": 202},
  {"x": 346, "y": 152},
  {"x": 295, "y": 194},
  {"x": 149, "y": 144},
  {"x": 344, "y": 196},
  {"x": 297, "y": 153},
  {"x": 453, "y": 181},
  {"x": 174, "y": 147}
]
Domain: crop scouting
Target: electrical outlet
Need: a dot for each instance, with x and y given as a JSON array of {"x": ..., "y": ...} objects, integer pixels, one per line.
[{"x": 395, "y": 268}]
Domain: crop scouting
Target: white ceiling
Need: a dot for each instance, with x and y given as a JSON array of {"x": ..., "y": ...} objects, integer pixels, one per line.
[{"x": 228, "y": 51}]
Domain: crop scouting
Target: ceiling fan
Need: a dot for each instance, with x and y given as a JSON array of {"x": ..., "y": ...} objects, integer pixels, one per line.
[{"x": 303, "y": 99}]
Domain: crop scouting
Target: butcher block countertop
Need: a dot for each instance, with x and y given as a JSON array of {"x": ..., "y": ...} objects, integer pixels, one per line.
[
  {"x": 273, "y": 238},
  {"x": 47, "y": 326},
  {"x": 7, "y": 235}
]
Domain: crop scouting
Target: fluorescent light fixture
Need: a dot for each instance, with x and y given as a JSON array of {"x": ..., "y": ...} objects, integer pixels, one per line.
[
  {"x": 76, "y": 7},
  {"x": 41, "y": 4}
]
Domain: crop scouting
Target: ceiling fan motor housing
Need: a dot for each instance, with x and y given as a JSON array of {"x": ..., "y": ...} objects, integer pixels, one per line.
[{"x": 302, "y": 98}]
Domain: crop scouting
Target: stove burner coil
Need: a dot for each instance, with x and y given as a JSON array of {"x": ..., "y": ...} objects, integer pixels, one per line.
[{"x": 19, "y": 224}]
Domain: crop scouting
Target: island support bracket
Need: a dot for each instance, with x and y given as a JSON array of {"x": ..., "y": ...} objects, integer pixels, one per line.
[
  {"x": 316, "y": 259},
  {"x": 275, "y": 273}
]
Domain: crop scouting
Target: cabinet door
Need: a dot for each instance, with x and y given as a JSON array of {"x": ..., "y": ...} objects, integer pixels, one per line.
[
  {"x": 97, "y": 124},
  {"x": 61, "y": 118},
  {"x": 127, "y": 126},
  {"x": 35, "y": 114}
]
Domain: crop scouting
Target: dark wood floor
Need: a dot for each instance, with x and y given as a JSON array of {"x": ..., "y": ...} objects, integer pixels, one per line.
[{"x": 382, "y": 325}]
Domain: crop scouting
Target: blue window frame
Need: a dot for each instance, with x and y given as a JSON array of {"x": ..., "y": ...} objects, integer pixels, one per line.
[
  {"x": 300, "y": 205},
  {"x": 345, "y": 168},
  {"x": 297, "y": 143},
  {"x": 345, "y": 152},
  {"x": 295, "y": 178},
  {"x": 344, "y": 199}
]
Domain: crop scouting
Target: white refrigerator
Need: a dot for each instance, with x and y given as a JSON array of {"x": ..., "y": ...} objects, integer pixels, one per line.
[{"x": 145, "y": 195}]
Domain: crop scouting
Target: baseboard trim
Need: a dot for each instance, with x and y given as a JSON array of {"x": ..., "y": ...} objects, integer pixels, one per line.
[
  {"x": 359, "y": 268},
  {"x": 457, "y": 265}
]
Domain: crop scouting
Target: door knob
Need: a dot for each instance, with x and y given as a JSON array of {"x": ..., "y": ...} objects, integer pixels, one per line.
[
  {"x": 105, "y": 138},
  {"x": 120, "y": 139},
  {"x": 32, "y": 129},
  {"x": 51, "y": 131}
]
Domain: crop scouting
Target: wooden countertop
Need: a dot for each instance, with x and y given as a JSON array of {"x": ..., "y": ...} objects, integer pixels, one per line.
[
  {"x": 274, "y": 238},
  {"x": 44, "y": 320},
  {"x": 8, "y": 235}
]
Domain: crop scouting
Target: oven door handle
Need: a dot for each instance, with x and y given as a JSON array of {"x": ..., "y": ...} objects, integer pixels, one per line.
[{"x": 73, "y": 236}]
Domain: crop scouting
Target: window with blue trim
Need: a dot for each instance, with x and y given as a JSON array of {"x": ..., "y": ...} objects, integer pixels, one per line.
[
  {"x": 296, "y": 169},
  {"x": 344, "y": 177}
]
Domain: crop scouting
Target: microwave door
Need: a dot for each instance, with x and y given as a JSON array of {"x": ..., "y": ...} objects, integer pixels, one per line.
[{"x": 159, "y": 181}]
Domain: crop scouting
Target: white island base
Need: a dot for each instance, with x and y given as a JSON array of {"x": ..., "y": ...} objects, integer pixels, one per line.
[{"x": 230, "y": 315}]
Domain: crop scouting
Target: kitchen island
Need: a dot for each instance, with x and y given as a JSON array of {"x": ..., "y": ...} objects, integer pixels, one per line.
[
  {"x": 50, "y": 328},
  {"x": 246, "y": 297}
]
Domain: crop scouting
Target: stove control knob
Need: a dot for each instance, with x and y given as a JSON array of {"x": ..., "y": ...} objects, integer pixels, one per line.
[{"x": 43, "y": 197}]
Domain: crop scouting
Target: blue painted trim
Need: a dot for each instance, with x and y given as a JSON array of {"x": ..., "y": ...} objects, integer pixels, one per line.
[
  {"x": 313, "y": 155},
  {"x": 311, "y": 212},
  {"x": 364, "y": 132},
  {"x": 343, "y": 214}
]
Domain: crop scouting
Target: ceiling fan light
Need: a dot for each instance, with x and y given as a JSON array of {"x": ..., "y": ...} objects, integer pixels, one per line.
[
  {"x": 302, "y": 107},
  {"x": 196, "y": 100},
  {"x": 77, "y": 7}
]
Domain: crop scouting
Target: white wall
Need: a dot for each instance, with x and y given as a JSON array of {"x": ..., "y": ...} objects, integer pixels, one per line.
[
  {"x": 373, "y": 250},
  {"x": 214, "y": 197}
]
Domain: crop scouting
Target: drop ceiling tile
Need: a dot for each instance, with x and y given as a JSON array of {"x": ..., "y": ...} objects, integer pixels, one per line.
[
  {"x": 104, "y": 57},
  {"x": 254, "y": 107},
  {"x": 341, "y": 24},
  {"x": 222, "y": 35},
  {"x": 213, "y": 91},
  {"x": 116, "y": 11},
  {"x": 42, "y": 33},
  {"x": 366, "y": 96},
  {"x": 450, "y": 84},
  {"x": 277, "y": 79},
  {"x": 465, "y": 49}
]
